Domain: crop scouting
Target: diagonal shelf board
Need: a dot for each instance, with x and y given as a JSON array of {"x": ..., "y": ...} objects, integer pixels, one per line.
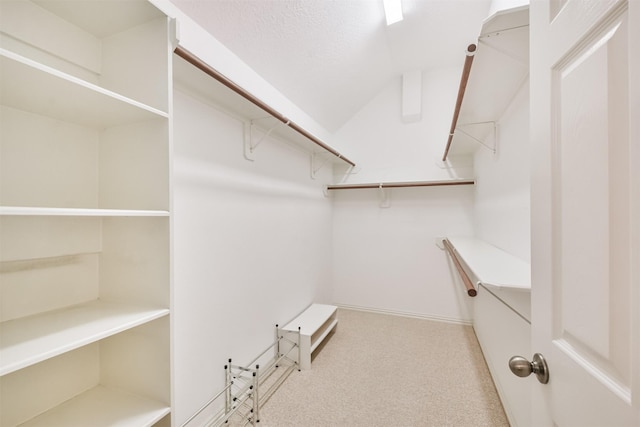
[
  {"x": 29, "y": 86},
  {"x": 33, "y": 339},
  {"x": 493, "y": 266},
  {"x": 103, "y": 407}
]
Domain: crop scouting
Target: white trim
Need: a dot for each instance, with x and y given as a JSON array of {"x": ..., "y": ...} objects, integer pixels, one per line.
[{"x": 468, "y": 322}]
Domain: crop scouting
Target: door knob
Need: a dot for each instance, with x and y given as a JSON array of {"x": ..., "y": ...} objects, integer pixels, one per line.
[{"x": 523, "y": 368}]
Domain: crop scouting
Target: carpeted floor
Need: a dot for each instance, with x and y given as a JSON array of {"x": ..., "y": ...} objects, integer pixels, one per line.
[{"x": 384, "y": 370}]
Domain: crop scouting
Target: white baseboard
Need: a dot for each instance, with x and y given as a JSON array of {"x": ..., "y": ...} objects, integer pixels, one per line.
[{"x": 468, "y": 322}]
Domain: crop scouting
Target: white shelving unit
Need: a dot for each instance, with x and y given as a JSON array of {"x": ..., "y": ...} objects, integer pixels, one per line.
[{"x": 84, "y": 213}]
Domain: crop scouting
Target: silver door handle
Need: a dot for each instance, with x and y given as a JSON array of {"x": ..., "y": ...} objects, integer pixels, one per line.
[{"x": 523, "y": 368}]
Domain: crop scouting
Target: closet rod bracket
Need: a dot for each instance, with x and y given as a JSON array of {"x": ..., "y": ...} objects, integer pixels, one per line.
[
  {"x": 493, "y": 135},
  {"x": 318, "y": 161},
  {"x": 251, "y": 139},
  {"x": 385, "y": 196}
]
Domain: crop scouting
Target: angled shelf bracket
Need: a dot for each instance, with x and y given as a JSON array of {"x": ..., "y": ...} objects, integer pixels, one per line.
[
  {"x": 490, "y": 135},
  {"x": 252, "y": 139},
  {"x": 318, "y": 161},
  {"x": 486, "y": 41}
]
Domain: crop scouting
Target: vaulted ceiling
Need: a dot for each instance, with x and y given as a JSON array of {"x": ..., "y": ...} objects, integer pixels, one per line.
[{"x": 330, "y": 57}]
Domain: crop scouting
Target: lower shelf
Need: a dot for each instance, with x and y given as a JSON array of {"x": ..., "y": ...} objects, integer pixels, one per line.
[
  {"x": 27, "y": 341},
  {"x": 101, "y": 406},
  {"x": 492, "y": 266}
]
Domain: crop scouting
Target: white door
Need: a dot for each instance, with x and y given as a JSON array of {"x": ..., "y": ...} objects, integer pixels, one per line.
[{"x": 585, "y": 115}]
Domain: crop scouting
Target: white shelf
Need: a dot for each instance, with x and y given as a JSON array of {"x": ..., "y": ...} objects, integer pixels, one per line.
[
  {"x": 492, "y": 266},
  {"x": 102, "y": 407},
  {"x": 31, "y": 86},
  {"x": 318, "y": 340},
  {"x": 500, "y": 68},
  {"x": 404, "y": 184},
  {"x": 311, "y": 319},
  {"x": 37, "y": 211},
  {"x": 193, "y": 81},
  {"x": 26, "y": 341}
]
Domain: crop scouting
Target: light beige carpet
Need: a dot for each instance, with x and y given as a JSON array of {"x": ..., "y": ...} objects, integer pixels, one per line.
[{"x": 385, "y": 370}]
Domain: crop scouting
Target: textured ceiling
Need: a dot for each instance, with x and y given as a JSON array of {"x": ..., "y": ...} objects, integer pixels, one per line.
[{"x": 330, "y": 57}]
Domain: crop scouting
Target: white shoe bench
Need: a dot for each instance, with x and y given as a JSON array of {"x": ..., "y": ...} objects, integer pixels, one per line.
[{"x": 314, "y": 325}]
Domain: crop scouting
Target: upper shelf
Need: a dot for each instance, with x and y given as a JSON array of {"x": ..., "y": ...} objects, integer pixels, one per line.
[
  {"x": 120, "y": 46},
  {"x": 196, "y": 76},
  {"x": 30, "y": 86},
  {"x": 492, "y": 266},
  {"x": 500, "y": 67}
]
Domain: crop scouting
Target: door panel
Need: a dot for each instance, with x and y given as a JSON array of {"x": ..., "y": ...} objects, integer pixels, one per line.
[
  {"x": 591, "y": 205},
  {"x": 583, "y": 286}
]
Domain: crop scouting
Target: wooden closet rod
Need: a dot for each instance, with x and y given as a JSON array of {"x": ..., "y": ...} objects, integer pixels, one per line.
[
  {"x": 198, "y": 63},
  {"x": 400, "y": 184},
  {"x": 466, "y": 70},
  {"x": 471, "y": 291}
]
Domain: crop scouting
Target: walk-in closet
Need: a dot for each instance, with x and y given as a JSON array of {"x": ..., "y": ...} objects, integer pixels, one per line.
[{"x": 302, "y": 212}]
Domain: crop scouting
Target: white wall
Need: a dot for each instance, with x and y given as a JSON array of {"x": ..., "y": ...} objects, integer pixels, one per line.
[
  {"x": 386, "y": 258},
  {"x": 387, "y": 149},
  {"x": 502, "y": 204},
  {"x": 251, "y": 247}
]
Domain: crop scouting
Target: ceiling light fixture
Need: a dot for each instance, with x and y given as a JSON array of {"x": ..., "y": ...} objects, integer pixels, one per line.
[{"x": 392, "y": 11}]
